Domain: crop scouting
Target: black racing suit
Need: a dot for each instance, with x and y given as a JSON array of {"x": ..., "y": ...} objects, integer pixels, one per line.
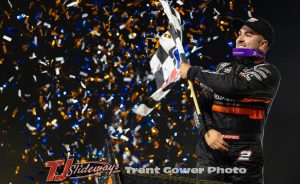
[{"x": 241, "y": 95}]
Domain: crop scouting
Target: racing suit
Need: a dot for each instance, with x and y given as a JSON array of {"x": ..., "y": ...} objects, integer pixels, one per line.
[{"x": 241, "y": 95}]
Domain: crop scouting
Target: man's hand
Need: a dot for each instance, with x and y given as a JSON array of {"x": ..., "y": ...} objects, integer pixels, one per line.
[
  {"x": 214, "y": 139},
  {"x": 184, "y": 69}
]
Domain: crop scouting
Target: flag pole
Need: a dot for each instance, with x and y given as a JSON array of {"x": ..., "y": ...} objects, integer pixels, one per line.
[
  {"x": 193, "y": 94},
  {"x": 194, "y": 97}
]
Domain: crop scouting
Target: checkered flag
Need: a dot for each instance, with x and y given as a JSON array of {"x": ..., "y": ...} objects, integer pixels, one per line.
[{"x": 165, "y": 63}]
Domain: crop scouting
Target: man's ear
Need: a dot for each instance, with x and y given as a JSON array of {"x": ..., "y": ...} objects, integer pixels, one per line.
[{"x": 264, "y": 45}]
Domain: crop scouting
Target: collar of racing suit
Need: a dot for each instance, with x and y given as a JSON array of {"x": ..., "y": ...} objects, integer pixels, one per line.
[{"x": 248, "y": 60}]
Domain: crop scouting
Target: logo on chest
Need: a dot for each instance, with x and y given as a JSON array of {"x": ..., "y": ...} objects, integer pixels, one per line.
[{"x": 222, "y": 98}]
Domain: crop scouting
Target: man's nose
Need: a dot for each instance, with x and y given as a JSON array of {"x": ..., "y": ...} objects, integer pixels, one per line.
[{"x": 240, "y": 39}]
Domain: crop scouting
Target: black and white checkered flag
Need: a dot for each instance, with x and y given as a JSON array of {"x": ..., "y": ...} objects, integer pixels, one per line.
[{"x": 165, "y": 63}]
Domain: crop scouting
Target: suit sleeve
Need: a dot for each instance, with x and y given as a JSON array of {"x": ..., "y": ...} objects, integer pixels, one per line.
[
  {"x": 205, "y": 99},
  {"x": 261, "y": 82}
]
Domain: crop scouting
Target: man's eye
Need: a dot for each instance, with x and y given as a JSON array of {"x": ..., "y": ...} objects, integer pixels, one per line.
[{"x": 248, "y": 34}]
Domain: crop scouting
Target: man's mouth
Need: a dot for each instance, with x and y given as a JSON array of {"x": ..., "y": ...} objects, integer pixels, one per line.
[{"x": 241, "y": 46}]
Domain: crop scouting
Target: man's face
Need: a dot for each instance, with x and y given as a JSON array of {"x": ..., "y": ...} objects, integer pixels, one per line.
[{"x": 249, "y": 39}]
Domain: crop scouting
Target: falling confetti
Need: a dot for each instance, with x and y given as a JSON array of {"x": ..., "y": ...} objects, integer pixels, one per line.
[{"x": 72, "y": 71}]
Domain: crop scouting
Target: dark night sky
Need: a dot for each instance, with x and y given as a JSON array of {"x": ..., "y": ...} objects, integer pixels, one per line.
[{"x": 281, "y": 140}]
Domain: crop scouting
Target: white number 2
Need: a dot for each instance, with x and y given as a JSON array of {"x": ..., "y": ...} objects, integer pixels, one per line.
[{"x": 245, "y": 155}]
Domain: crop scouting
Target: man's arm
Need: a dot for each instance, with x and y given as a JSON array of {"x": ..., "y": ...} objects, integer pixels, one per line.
[{"x": 261, "y": 82}]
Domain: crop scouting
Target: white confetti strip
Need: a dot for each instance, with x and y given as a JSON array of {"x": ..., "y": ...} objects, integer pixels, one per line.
[
  {"x": 117, "y": 112},
  {"x": 47, "y": 25},
  {"x": 45, "y": 106},
  {"x": 54, "y": 122},
  {"x": 196, "y": 48},
  {"x": 50, "y": 105},
  {"x": 31, "y": 128},
  {"x": 83, "y": 85},
  {"x": 135, "y": 159},
  {"x": 122, "y": 26},
  {"x": 103, "y": 58},
  {"x": 57, "y": 71},
  {"x": 249, "y": 13},
  {"x": 126, "y": 130},
  {"x": 95, "y": 33},
  {"x": 72, "y": 4},
  {"x": 7, "y": 38},
  {"x": 95, "y": 60},
  {"x": 43, "y": 63},
  {"x": 137, "y": 128},
  {"x": 67, "y": 147},
  {"x": 83, "y": 73},
  {"x": 127, "y": 79},
  {"x": 84, "y": 15},
  {"x": 10, "y": 79},
  {"x": 72, "y": 76},
  {"x": 35, "y": 40},
  {"x": 9, "y": 3},
  {"x": 216, "y": 11},
  {"x": 34, "y": 78},
  {"x": 19, "y": 93},
  {"x": 179, "y": 2},
  {"x": 110, "y": 99},
  {"x": 84, "y": 108},
  {"x": 124, "y": 137},
  {"x": 60, "y": 59}
]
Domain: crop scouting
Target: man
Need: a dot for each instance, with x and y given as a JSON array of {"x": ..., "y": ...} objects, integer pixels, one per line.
[{"x": 241, "y": 95}]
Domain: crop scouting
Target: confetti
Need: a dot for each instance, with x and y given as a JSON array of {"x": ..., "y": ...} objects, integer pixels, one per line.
[
  {"x": 7, "y": 38},
  {"x": 72, "y": 4},
  {"x": 75, "y": 69},
  {"x": 9, "y": 3},
  {"x": 31, "y": 128}
]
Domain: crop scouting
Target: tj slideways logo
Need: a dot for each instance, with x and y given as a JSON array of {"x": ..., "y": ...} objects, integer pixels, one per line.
[{"x": 73, "y": 170}]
